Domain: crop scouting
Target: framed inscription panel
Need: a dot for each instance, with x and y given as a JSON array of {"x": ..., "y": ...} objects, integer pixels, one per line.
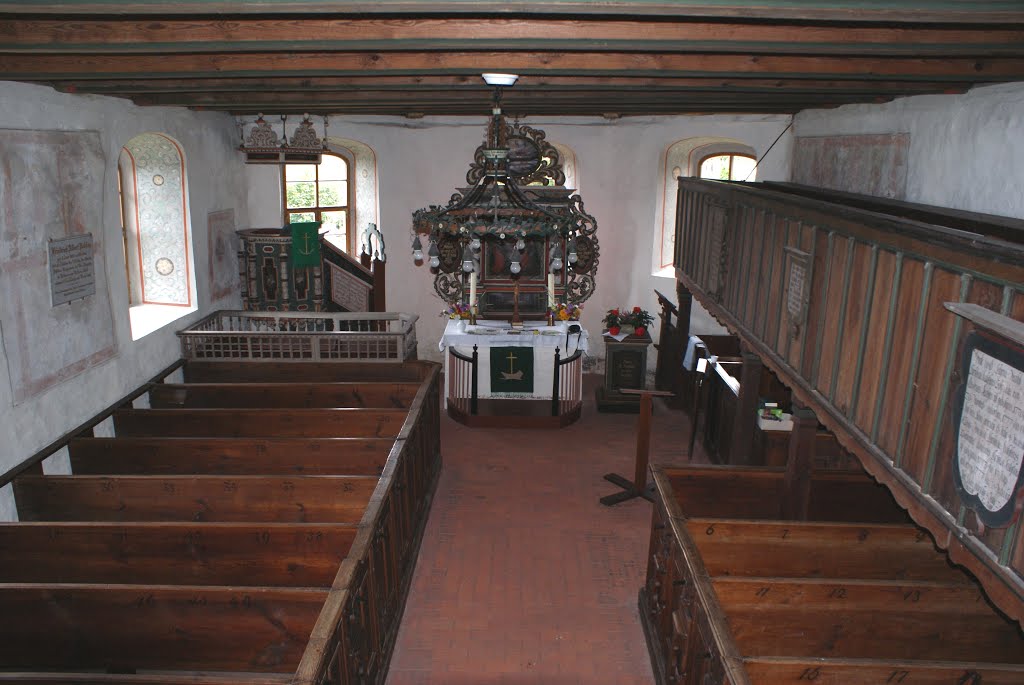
[
  {"x": 798, "y": 288},
  {"x": 988, "y": 414}
]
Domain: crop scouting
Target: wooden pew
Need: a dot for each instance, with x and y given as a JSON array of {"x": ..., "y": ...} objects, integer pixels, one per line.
[
  {"x": 249, "y": 423},
  {"x": 237, "y": 557},
  {"x": 81, "y": 627},
  {"x": 747, "y": 598},
  {"x": 198, "y": 371},
  {"x": 282, "y": 395},
  {"x": 165, "y": 553},
  {"x": 299, "y": 499},
  {"x": 236, "y": 456},
  {"x": 859, "y": 619},
  {"x": 95, "y": 678},
  {"x": 802, "y": 549},
  {"x": 757, "y": 493}
]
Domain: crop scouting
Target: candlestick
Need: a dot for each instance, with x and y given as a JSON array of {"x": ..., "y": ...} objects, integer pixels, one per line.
[
  {"x": 551, "y": 291},
  {"x": 472, "y": 289}
]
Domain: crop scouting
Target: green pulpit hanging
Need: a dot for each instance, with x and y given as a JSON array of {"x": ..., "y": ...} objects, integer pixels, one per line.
[
  {"x": 305, "y": 244},
  {"x": 512, "y": 369}
]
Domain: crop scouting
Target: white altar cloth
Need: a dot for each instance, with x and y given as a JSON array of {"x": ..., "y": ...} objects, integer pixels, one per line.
[{"x": 461, "y": 336}]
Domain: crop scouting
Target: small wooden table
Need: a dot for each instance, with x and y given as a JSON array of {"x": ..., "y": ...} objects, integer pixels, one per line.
[{"x": 639, "y": 487}]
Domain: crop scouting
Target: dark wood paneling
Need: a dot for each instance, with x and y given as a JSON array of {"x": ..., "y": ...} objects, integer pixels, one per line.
[
  {"x": 299, "y": 499},
  {"x": 265, "y": 371},
  {"x": 297, "y": 555},
  {"x": 250, "y": 423},
  {"x": 283, "y": 395},
  {"x": 156, "y": 627},
  {"x": 882, "y": 382},
  {"x": 236, "y": 456}
]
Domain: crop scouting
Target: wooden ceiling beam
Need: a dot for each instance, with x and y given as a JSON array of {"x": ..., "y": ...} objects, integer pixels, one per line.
[
  {"x": 481, "y": 104},
  {"x": 422, "y": 84},
  {"x": 945, "y": 11},
  {"x": 61, "y": 67},
  {"x": 239, "y": 34}
]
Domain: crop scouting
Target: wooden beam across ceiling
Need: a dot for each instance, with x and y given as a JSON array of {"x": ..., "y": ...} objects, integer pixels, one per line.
[{"x": 625, "y": 56}]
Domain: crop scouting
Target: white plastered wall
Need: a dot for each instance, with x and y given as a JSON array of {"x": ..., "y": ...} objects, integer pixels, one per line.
[
  {"x": 966, "y": 151},
  {"x": 619, "y": 163},
  {"x": 215, "y": 182}
]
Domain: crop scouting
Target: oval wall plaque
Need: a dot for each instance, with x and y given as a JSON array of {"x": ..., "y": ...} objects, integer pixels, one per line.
[{"x": 989, "y": 420}]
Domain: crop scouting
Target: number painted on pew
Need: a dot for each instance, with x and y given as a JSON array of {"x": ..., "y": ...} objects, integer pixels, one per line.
[
  {"x": 810, "y": 674},
  {"x": 912, "y": 596},
  {"x": 837, "y": 593},
  {"x": 710, "y": 530},
  {"x": 230, "y": 486},
  {"x": 145, "y": 601},
  {"x": 897, "y": 676},
  {"x": 761, "y": 592},
  {"x": 785, "y": 533},
  {"x": 245, "y": 602},
  {"x": 263, "y": 537}
]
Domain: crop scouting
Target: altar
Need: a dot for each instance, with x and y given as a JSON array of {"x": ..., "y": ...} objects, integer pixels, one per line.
[
  {"x": 512, "y": 250},
  {"x": 505, "y": 373}
]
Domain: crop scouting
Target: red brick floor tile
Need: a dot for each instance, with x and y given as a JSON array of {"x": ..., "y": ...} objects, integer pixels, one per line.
[{"x": 523, "y": 576}]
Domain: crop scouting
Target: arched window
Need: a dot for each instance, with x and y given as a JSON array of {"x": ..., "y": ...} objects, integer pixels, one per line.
[
  {"x": 156, "y": 231},
  {"x": 321, "y": 192},
  {"x": 728, "y": 167},
  {"x": 704, "y": 157}
]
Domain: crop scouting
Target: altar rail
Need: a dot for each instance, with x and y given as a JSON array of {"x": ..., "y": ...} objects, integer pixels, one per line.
[
  {"x": 301, "y": 336},
  {"x": 845, "y": 302}
]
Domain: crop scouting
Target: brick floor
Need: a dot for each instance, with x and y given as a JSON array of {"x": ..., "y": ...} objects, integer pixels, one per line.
[{"x": 523, "y": 576}]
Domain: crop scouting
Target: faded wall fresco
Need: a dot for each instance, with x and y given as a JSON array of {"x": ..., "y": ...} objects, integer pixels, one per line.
[
  {"x": 223, "y": 243},
  {"x": 46, "y": 345},
  {"x": 867, "y": 164}
]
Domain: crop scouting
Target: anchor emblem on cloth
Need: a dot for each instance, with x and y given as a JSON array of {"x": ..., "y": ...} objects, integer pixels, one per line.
[
  {"x": 309, "y": 250},
  {"x": 512, "y": 374}
]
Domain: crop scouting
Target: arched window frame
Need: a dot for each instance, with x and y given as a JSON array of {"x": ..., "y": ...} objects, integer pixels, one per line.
[
  {"x": 351, "y": 237},
  {"x": 156, "y": 231},
  {"x": 732, "y": 158},
  {"x": 684, "y": 158}
]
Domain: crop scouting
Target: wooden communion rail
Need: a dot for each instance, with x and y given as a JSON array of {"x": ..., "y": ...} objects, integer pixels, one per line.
[{"x": 255, "y": 523}]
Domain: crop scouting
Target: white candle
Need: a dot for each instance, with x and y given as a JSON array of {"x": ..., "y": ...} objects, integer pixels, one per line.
[
  {"x": 551, "y": 291},
  {"x": 472, "y": 289}
]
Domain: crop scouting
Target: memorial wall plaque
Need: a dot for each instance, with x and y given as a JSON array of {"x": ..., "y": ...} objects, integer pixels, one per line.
[
  {"x": 798, "y": 292},
  {"x": 72, "y": 273},
  {"x": 989, "y": 420}
]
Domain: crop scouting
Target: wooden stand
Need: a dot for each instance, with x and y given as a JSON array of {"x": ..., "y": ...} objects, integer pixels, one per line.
[
  {"x": 638, "y": 488},
  {"x": 625, "y": 370}
]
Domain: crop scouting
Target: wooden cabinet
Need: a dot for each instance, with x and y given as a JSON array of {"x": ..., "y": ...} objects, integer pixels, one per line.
[{"x": 625, "y": 367}]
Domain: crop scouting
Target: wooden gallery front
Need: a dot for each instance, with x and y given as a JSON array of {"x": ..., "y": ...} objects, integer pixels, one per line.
[{"x": 897, "y": 330}]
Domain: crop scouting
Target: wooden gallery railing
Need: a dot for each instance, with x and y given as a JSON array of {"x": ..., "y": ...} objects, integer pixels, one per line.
[{"x": 846, "y": 301}]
